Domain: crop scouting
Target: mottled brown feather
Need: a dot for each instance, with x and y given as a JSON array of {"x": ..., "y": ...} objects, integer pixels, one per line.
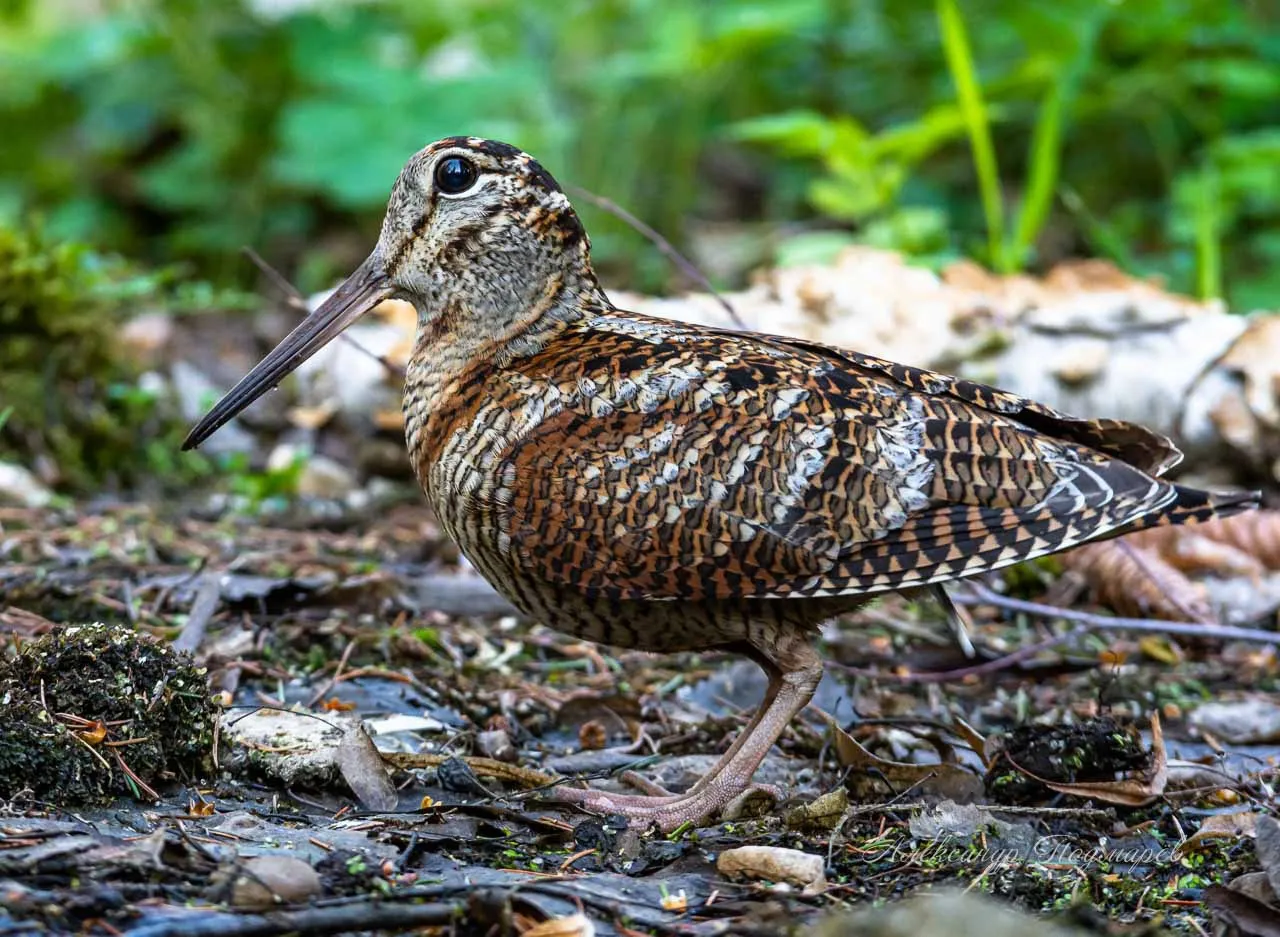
[{"x": 754, "y": 466}]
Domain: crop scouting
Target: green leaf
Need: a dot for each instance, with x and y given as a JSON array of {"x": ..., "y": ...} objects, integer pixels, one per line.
[
  {"x": 1042, "y": 177},
  {"x": 964, "y": 75}
]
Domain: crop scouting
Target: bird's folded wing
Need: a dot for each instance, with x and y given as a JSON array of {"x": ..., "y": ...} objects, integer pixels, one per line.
[{"x": 714, "y": 466}]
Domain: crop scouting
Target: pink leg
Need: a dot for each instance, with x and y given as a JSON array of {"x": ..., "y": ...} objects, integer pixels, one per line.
[
  {"x": 654, "y": 792},
  {"x": 794, "y": 670}
]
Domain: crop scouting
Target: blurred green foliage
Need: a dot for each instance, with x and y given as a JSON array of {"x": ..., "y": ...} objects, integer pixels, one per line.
[
  {"x": 75, "y": 404},
  {"x": 1015, "y": 131}
]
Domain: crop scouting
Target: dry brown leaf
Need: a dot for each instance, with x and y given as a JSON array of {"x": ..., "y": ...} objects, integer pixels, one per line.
[
  {"x": 852, "y": 754},
  {"x": 1129, "y": 792},
  {"x": 1244, "y": 544},
  {"x": 976, "y": 740},
  {"x": 1221, "y": 826},
  {"x": 1134, "y": 580},
  {"x": 573, "y": 925},
  {"x": 362, "y": 768}
]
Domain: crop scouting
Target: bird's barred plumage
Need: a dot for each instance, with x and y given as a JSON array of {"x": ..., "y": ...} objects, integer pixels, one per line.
[
  {"x": 636, "y": 458},
  {"x": 667, "y": 486}
]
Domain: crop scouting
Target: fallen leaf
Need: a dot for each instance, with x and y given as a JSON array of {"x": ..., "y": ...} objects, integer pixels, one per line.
[
  {"x": 852, "y": 754},
  {"x": 1220, "y": 826},
  {"x": 363, "y": 770},
  {"x": 824, "y": 813},
  {"x": 1250, "y": 917},
  {"x": 1135, "y": 580},
  {"x": 573, "y": 925}
]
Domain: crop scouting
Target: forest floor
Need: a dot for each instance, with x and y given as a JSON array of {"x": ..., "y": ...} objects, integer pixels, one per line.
[{"x": 311, "y": 624}]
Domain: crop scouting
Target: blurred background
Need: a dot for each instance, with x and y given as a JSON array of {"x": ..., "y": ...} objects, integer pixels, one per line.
[{"x": 145, "y": 143}]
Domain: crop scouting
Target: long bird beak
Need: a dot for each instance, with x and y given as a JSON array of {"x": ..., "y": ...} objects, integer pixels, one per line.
[{"x": 358, "y": 293}]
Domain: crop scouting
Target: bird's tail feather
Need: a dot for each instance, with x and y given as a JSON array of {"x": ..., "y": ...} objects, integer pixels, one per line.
[{"x": 1195, "y": 506}]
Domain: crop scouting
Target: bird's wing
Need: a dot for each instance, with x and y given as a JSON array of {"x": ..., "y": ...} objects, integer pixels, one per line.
[{"x": 680, "y": 462}]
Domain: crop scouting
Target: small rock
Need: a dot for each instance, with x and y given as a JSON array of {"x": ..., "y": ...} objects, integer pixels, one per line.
[
  {"x": 322, "y": 477},
  {"x": 19, "y": 486},
  {"x": 496, "y": 744},
  {"x": 456, "y": 775},
  {"x": 267, "y": 881},
  {"x": 1239, "y": 722},
  {"x": 196, "y": 393},
  {"x": 776, "y": 864}
]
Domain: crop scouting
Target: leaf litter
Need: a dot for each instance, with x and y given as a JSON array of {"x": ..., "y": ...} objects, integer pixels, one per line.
[{"x": 390, "y": 732}]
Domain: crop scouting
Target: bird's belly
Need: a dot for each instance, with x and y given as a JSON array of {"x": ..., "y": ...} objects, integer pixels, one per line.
[{"x": 660, "y": 626}]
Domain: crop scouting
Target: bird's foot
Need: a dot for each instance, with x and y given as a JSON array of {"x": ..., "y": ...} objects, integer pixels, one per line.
[{"x": 671, "y": 811}]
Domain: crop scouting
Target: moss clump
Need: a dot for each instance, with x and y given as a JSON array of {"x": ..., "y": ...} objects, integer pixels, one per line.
[
  {"x": 75, "y": 409},
  {"x": 68, "y": 695},
  {"x": 1098, "y": 749}
]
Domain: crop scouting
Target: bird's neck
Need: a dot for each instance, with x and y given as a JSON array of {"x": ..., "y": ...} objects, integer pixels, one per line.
[
  {"x": 488, "y": 327},
  {"x": 463, "y": 343}
]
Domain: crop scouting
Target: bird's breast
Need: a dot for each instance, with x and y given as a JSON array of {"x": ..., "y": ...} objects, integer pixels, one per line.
[{"x": 459, "y": 428}]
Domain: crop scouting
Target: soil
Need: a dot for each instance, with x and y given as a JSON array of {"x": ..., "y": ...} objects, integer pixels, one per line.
[{"x": 373, "y": 623}]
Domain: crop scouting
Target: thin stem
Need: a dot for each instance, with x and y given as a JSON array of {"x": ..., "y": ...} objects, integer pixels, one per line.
[{"x": 664, "y": 246}]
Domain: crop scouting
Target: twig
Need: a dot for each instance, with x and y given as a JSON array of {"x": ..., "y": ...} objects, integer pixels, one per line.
[
  {"x": 296, "y": 301},
  {"x": 488, "y": 767},
  {"x": 376, "y": 913},
  {"x": 291, "y": 293},
  {"x": 960, "y": 673},
  {"x": 981, "y": 595},
  {"x": 337, "y": 673},
  {"x": 664, "y": 246},
  {"x": 208, "y": 596}
]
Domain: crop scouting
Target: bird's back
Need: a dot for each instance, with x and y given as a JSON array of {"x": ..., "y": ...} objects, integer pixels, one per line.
[{"x": 632, "y": 458}]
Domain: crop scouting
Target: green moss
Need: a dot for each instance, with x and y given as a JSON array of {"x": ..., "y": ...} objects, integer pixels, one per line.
[
  {"x": 72, "y": 396},
  {"x": 69, "y": 696}
]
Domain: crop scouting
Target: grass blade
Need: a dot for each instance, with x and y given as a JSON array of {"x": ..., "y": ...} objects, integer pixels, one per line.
[
  {"x": 955, "y": 45},
  {"x": 1045, "y": 153},
  {"x": 1042, "y": 176},
  {"x": 1208, "y": 222}
]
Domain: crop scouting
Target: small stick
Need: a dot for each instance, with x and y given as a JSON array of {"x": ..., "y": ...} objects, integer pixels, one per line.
[
  {"x": 664, "y": 246},
  {"x": 295, "y": 300},
  {"x": 981, "y": 595},
  {"x": 208, "y": 597}
]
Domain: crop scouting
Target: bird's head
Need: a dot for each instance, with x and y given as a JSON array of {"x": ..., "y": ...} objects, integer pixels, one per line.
[{"x": 477, "y": 235}]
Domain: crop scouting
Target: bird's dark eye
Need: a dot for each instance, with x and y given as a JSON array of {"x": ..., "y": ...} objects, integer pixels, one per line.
[{"x": 455, "y": 175}]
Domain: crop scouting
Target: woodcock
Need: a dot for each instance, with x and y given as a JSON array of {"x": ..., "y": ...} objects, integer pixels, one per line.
[{"x": 656, "y": 485}]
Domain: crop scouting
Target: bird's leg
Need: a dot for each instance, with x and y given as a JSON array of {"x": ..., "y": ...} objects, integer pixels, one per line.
[
  {"x": 794, "y": 669},
  {"x": 656, "y": 790}
]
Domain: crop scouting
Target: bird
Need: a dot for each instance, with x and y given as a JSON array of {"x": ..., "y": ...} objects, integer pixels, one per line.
[{"x": 657, "y": 485}]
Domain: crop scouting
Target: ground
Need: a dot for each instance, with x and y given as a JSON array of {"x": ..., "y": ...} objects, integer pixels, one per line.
[{"x": 312, "y": 622}]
